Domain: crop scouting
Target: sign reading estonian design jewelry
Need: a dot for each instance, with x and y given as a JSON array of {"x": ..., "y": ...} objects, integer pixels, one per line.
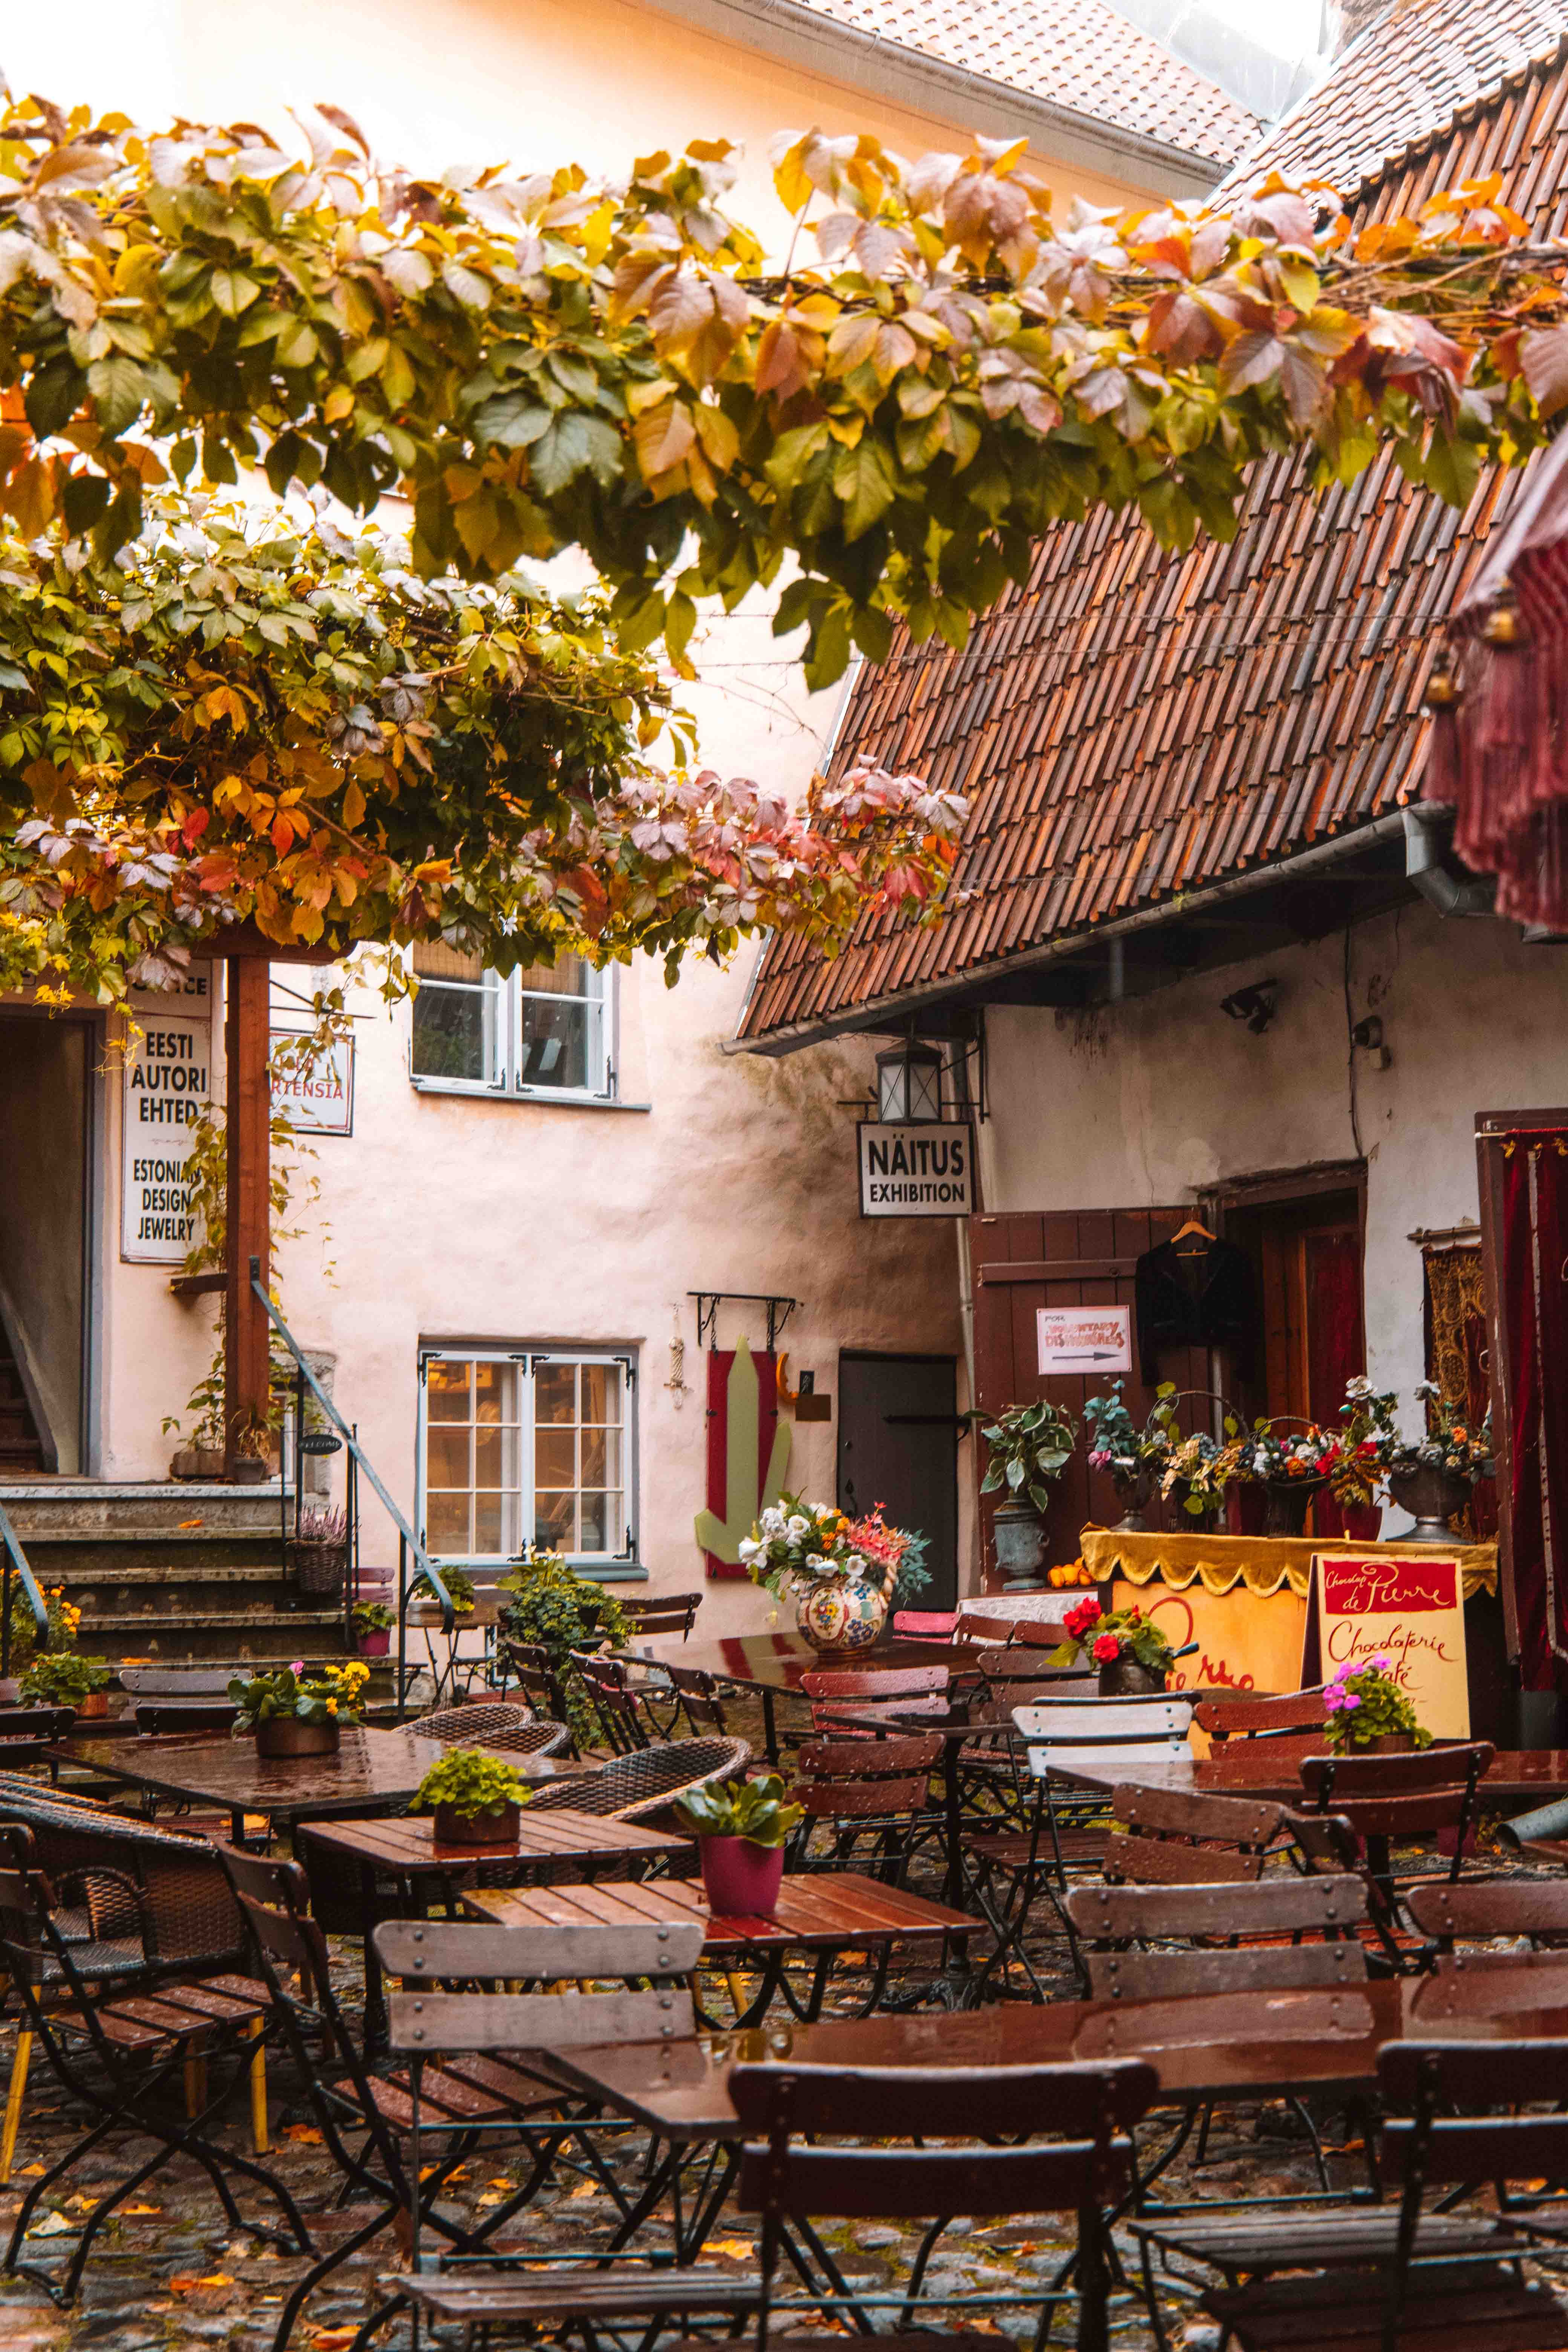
[
  {"x": 165, "y": 1085},
  {"x": 923, "y": 1170}
]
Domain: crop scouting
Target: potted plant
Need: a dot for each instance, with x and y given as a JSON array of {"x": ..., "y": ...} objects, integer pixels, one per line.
[
  {"x": 841, "y": 1572},
  {"x": 298, "y": 1712},
  {"x": 740, "y": 1827},
  {"x": 372, "y": 1623},
  {"x": 1026, "y": 1447},
  {"x": 1130, "y": 1651},
  {"x": 550, "y": 1607},
  {"x": 1365, "y": 1710},
  {"x": 1134, "y": 1456},
  {"x": 1291, "y": 1466},
  {"x": 1432, "y": 1479},
  {"x": 318, "y": 1550},
  {"x": 476, "y": 1799},
  {"x": 64, "y": 1678},
  {"x": 459, "y": 1587}
]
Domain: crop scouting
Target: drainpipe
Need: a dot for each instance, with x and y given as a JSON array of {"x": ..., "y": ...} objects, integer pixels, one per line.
[{"x": 1429, "y": 833}]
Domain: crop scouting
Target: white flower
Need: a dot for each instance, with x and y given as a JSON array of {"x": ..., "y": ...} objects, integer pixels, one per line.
[
  {"x": 773, "y": 1521},
  {"x": 855, "y": 1564},
  {"x": 1428, "y": 1388},
  {"x": 751, "y": 1550},
  {"x": 815, "y": 1559},
  {"x": 798, "y": 1526},
  {"x": 1360, "y": 1386}
]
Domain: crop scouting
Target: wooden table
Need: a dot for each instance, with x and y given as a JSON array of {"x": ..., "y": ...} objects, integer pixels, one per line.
[
  {"x": 404, "y": 1849},
  {"x": 771, "y": 1662},
  {"x": 372, "y": 1770},
  {"x": 1518, "y": 1776},
  {"x": 820, "y": 1911}
]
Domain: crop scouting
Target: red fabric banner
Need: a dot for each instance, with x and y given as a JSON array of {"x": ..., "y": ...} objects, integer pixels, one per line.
[
  {"x": 720, "y": 1362},
  {"x": 1535, "y": 1219}
]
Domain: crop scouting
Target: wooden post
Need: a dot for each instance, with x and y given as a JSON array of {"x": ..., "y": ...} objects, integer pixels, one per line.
[{"x": 247, "y": 1334}]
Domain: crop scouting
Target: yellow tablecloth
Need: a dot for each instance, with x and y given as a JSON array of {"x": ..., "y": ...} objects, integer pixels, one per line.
[{"x": 1264, "y": 1564}]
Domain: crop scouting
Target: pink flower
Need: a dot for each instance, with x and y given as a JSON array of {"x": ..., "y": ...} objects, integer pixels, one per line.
[
  {"x": 1351, "y": 1701},
  {"x": 296, "y": 1667},
  {"x": 1333, "y": 1699}
]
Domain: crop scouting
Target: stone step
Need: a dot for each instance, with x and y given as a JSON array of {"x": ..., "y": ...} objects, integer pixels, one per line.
[
  {"x": 112, "y": 1511},
  {"x": 270, "y": 1637},
  {"x": 72, "y": 1559}
]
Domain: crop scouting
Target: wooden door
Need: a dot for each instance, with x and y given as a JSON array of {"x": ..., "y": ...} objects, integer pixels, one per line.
[
  {"x": 1086, "y": 1258},
  {"x": 898, "y": 1445}
]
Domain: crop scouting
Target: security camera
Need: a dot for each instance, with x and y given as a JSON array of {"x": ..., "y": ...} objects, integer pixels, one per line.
[{"x": 1255, "y": 1004}]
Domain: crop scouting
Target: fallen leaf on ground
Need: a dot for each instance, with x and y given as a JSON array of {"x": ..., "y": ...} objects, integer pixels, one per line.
[
  {"x": 29, "y": 2172},
  {"x": 329, "y": 2339},
  {"x": 306, "y": 2134},
  {"x": 738, "y": 2250},
  {"x": 584, "y": 2189},
  {"x": 53, "y": 2225},
  {"x": 136, "y": 2213}
]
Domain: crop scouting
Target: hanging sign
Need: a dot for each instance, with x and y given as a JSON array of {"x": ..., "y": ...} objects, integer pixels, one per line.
[
  {"x": 320, "y": 1098},
  {"x": 1407, "y": 1607},
  {"x": 1090, "y": 1339},
  {"x": 925, "y": 1169},
  {"x": 166, "y": 1084}
]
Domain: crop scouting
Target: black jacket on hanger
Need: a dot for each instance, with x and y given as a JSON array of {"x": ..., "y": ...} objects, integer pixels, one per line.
[{"x": 1206, "y": 1300}]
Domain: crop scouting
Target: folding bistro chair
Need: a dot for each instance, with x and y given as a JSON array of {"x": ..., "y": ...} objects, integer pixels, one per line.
[
  {"x": 664, "y": 1612},
  {"x": 137, "y": 2062},
  {"x": 855, "y": 1791},
  {"x": 1019, "y": 1867},
  {"x": 1533, "y": 1909},
  {"x": 1429, "y": 1789},
  {"x": 1420, "y": 2278},
  {"x": 846, "y": 1702}
]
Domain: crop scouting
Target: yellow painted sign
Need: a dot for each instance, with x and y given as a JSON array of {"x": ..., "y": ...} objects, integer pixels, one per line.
[
  {"x": 1247, "y": 1641},
  {"x": 1408, "y": 1608}
]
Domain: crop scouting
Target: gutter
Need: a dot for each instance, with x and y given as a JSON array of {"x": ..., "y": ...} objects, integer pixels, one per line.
[
  {"x": 794, "y": 33},
  {"x": 877, "y": 1014}
]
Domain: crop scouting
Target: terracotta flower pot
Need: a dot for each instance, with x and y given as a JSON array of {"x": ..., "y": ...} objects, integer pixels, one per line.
[
  {"x": 1432, "y": 1495},
  {"x": 500, "y": 1826},
  {"x": 93, "y": 1707},
  {"x": 741, "y": 1878},
  {"x": 1123, "y": 1677},
  {"x": 375, "y": 1644},
  {"x": 290, "y": 1735}
]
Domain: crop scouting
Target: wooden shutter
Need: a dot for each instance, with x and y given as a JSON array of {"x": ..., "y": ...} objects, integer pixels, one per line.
[{"x": 1083, "y": 1257}]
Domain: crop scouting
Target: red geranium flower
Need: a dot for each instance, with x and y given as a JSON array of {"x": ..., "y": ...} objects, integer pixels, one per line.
[
  {"x": 1078, "y": 1621},
  {"x": 1106, "y": 1648}
]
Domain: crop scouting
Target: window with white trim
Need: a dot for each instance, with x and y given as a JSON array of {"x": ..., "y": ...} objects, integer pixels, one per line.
[
  {"x": 546, "y": 1031},
  {"x": 526, "y": 1445}
]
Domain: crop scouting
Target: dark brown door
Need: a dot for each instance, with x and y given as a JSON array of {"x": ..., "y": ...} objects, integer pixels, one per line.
[
  {"x": 1067, "y": 1258},
  {"x": 898, "y": 1445}
]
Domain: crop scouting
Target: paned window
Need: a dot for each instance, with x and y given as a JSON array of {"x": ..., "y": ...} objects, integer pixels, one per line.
[
  {"x": 528, "y": 1445},
  {"x": 544, "y": 1031}
]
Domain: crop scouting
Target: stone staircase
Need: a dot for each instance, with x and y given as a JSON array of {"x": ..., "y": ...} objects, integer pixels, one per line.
[
  {"x": 170, "y": 1572},
  {"x": 21, "y": 1447}
]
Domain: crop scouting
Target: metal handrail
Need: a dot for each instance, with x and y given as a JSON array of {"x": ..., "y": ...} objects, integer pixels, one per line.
[
  {"x": 407, "y": 1541},
  {"x": 17, "y": 1559}
]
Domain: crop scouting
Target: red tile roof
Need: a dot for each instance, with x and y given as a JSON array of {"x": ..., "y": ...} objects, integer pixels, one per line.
[
  {"x": 1131, "y": 723},
  {"x": 1079, "y": 54}
]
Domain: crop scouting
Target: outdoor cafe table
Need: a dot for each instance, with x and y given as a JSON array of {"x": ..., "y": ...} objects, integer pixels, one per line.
[
  {"x": 771, "y": 1662},
  {"x": 820, "y": 1911},
  {"x": 371, "y": 1771},
  {"x": 404, "y": 1849}
]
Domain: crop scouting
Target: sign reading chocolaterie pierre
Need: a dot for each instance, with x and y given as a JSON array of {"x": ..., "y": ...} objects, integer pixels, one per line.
[{"x": 924, "y": 1168}]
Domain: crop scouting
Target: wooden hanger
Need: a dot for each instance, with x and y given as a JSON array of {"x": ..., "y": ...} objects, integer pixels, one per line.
[{"x": 1192, "y": 1227}]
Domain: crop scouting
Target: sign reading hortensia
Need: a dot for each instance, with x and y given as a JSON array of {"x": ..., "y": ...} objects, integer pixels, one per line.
[{"x": 923, "y": 1170}]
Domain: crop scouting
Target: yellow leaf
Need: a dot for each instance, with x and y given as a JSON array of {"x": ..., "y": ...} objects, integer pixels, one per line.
[
  {"x": 354, "y": 807},
  {"x": 340, "y": 403},
  {"x": 306, "y": 2134},
  {"x": 738, "y": 2250}
]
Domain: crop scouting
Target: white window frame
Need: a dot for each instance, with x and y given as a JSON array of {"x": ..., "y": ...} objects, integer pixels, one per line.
[
  {"x": 506, "y": 994},
  {"x": 527, "y": 1357}
]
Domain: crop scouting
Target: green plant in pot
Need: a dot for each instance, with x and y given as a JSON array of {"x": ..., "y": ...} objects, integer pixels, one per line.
[
  {"x": 1027, "y": 1447},
  {"x": 1365, "y": 1708},
  {"x": 299, "y": 1711},
  {"x": 551, "y": 1608},
  {"x": 373, "y": 1622},
  {"x": 64, "y": 1678},
  {"x": 476, "y": 1799},
  {"x": 741, "y": 1828},
  {"x": 459, "y": 1587}
]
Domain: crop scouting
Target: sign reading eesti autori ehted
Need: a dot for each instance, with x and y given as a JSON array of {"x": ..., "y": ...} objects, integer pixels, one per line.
[
  {"x": 925, "y": 1169},
  {"x": 166, "y": 1086}
]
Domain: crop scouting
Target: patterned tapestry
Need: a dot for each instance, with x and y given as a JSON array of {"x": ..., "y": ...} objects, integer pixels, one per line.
[{"x": 1456, "y": 1315}]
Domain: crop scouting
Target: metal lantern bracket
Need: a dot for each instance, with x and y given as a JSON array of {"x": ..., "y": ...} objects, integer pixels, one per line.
[{"x": 709, "y": 1302}]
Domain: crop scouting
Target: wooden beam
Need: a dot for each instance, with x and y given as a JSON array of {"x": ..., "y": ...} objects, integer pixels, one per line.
[{"x": 247, "y": 1334}]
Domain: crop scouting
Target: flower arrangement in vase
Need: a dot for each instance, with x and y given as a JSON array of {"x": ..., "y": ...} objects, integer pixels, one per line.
[
  {"x": 1291, "y": 1465},
  {"x": 1432, "y": 1478},
  {"x": 295, "y": 1710},
  {"x": 842, "y": 1573},
  {"x": 741, "y": 1827},
  {"x": 1134, "y": 1456},
  {"x": 1130, "y": 1650},
  {"x": 1197, "y": 1469},
  {"x": 1366, "y": 1707}
]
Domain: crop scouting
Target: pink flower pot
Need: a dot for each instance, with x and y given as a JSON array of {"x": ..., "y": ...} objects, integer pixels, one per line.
[
  {"x": 742, "y": 1878},
  {"x": 375, "y": 1644}
]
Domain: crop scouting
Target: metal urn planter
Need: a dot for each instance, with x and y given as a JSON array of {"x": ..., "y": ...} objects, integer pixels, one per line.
[
  {"x": 1123, "y": 1677},
  {"x": 1020, "y": 1539},
  {"x": 1432, "y": 1495},
  {"x": 1135, "y": 1489},
  {"x": 1285, "y": 1503}
]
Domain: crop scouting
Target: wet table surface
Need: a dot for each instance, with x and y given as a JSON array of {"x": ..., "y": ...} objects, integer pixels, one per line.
[
  {"x": 815, "y": 1908},
  {"x": 406, "y": 1844},
  {"x": 775, "y": 1662},
  {"x": 1213, "y": 2045},
  {"x": 1518, "y": 1775},
  {"x": 370, "y": 1769}
]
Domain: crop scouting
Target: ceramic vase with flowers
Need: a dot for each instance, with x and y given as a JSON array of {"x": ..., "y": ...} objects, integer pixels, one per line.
[
  {"x": 841, "y": 1574},
  {"x": 1130, "y": 1651},
  {"x": 1367, "y": 1711}
]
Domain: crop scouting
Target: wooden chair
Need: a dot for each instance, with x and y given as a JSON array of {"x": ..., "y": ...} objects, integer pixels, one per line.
[
  {"x": 852, "y": 1790},
  {"x": 796, "y": 2169},
  {"x": 1402, "y": 1795},
  {"x": 1117, "y": 1926},
  {"x": 119, "y": 2033},
  {"x": 925, "y": 1624},
  {"x": 531, "y": 1666},
  {"x": 1175, "y": 1837},
  {"x": 700, "y": 1699},
  {"x": 662, "y": 1613},
  {"x": 1514, "y": 1908},
  {"x": 1418, "y": 2278},
  {"x": 1235, "y": 1720},
  {"x": 157, "y": 1720},
  {"x": 614, "y": 1700},
  {"x": 894, "y": 1692}
]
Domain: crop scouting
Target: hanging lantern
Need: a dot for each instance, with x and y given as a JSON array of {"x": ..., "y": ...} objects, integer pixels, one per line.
[{"x": 909, "y": 1084}]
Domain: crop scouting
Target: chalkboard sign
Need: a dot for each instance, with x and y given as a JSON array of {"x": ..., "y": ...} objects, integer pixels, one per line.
[{"x": 1408, "y": 1607}]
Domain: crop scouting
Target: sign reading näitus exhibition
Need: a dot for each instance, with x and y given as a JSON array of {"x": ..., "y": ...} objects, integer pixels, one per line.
[
  {"x": 1091, "y": 1339},
  {"x": 166, "y": 1084},
  {"x": 924, "y": 1168}
]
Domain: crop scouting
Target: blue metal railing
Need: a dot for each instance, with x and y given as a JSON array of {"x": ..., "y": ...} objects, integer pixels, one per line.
[
  {"x": 18, "y": 1572},
  {"x": 408, "y": 1544}
]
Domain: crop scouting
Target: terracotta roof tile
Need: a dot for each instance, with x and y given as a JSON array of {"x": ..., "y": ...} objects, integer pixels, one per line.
[{"x": 1131, "y": 724}]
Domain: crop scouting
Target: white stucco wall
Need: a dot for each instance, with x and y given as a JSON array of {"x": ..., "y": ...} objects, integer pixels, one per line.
[{"x": 1152, "y": 1100}]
